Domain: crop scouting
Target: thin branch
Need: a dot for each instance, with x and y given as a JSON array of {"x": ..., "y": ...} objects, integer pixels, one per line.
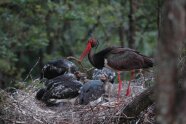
[{"x": 32, "y": 69}]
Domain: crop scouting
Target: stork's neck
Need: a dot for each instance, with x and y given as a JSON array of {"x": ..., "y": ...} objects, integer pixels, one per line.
[{"x": 97, "y": 60}]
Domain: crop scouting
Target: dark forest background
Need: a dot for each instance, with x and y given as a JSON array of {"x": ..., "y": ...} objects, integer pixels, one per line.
[{"x": 42, "y": 30}]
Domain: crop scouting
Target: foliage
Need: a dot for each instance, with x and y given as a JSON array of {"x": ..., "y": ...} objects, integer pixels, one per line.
[{"x": 50, "y": 29}]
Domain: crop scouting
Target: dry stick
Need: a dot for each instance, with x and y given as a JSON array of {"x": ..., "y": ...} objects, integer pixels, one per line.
[
  {"x": 19, "y": 108},
  {"x": 117, "y": 121},
  {"x": 115, "y": 113},
  {"x": 28, "y": 95},
  {"x": 74, "y": 58},
  {"x": 79, "y": 62},
  {"x": 89, "y": 69},
  {"x": 111, "y": 116},
  {"x": 92, "y": 109},
  {"x": 32, "y": 69},
  {"x": 9, "y": 120},
  {"x": 29, "y": 75}
]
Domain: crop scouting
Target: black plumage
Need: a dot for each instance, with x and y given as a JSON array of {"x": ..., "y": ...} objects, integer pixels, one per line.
[
  {"x": 121, "y": 59},
  {"x": 57, "y": 67},
  {"x": 40, "y": 93},
  {"x": 65, "y": 86}
]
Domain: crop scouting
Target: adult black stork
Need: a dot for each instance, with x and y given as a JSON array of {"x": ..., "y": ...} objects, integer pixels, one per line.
[
  {"x": 116, "y": 58},
  {"x": 65, "y": 86},
  {"x": 57, "y": 67}
]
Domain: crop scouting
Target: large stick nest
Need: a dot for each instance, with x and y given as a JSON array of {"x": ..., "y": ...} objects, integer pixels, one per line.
[{"x": 21, "y": 107}]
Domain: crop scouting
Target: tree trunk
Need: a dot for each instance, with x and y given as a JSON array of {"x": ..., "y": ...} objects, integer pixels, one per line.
[
  {"x": 158, "y": 17},
  {"x": 131, "y": 33},
  {"x": 181, "y": 110},
  {"x": 121, "y": 33},
  {"x": 121, "y": 28},
  {"x": 172, "y": 33},
  {"x": 41, "y": 55},
  {"x": 66, "y": 47},
  {"x": 51, "y": 43}
]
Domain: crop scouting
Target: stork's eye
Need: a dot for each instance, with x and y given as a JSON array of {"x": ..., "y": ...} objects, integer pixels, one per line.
[{"x": 93, "y": 42}]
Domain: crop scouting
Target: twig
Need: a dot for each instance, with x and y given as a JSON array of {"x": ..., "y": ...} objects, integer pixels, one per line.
[
  {"x": 78, "y": 61},
  {"x": 31, "y": 93},
  {"x": 89, "y": 69},
  {"x": 137, "y": 121},
  {"x": 37, "y": 119},
  {"x": 74, "y": 58},
  {"x": 32, "y": 69}
]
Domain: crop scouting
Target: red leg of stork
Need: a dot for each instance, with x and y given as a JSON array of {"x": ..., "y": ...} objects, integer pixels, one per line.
[
  {"x": 119, "y": 85},
  {"x": 128, "y": 92}
]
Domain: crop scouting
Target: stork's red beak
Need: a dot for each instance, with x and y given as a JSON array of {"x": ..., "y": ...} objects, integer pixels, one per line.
[{"x": 86, "y": 51}]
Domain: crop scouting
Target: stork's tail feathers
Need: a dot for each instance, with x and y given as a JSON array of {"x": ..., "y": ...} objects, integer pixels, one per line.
[{"x": 148, "y": 62}]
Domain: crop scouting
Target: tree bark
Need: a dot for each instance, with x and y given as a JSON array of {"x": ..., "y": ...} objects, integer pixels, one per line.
[
  {"x": 51, "y": 43},
  {"x": 172, "y": 33},
  {"x": 121, "y": 28},
  {"x": 41, "y": 62},
  {"x": 121, "y": 33},
  {"x": 66, "y": 47},
  {"x": 131, "y": 33},
  {"x": 181, "y": 110}
]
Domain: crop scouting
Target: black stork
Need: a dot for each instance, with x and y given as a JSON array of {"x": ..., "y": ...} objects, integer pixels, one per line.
[
  {"x": 57, "y": 67},
  {"x": 116, "y": 58}
]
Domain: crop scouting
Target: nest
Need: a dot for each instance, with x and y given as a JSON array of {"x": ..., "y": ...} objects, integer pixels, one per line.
[{"x": 21, "y": 107}]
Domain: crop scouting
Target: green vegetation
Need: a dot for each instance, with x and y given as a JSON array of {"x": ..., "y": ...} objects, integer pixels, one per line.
[{"x": 49, "y": 29}]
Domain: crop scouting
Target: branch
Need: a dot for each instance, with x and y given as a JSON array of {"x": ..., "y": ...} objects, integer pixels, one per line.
[
  {"x": 73, "y": 58},
  {"x": 78, "y": 61},
  {"x": 139, "y": 104},
  {"x": 32, "y": 69},
  {"x": 88, "y": 71}
]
